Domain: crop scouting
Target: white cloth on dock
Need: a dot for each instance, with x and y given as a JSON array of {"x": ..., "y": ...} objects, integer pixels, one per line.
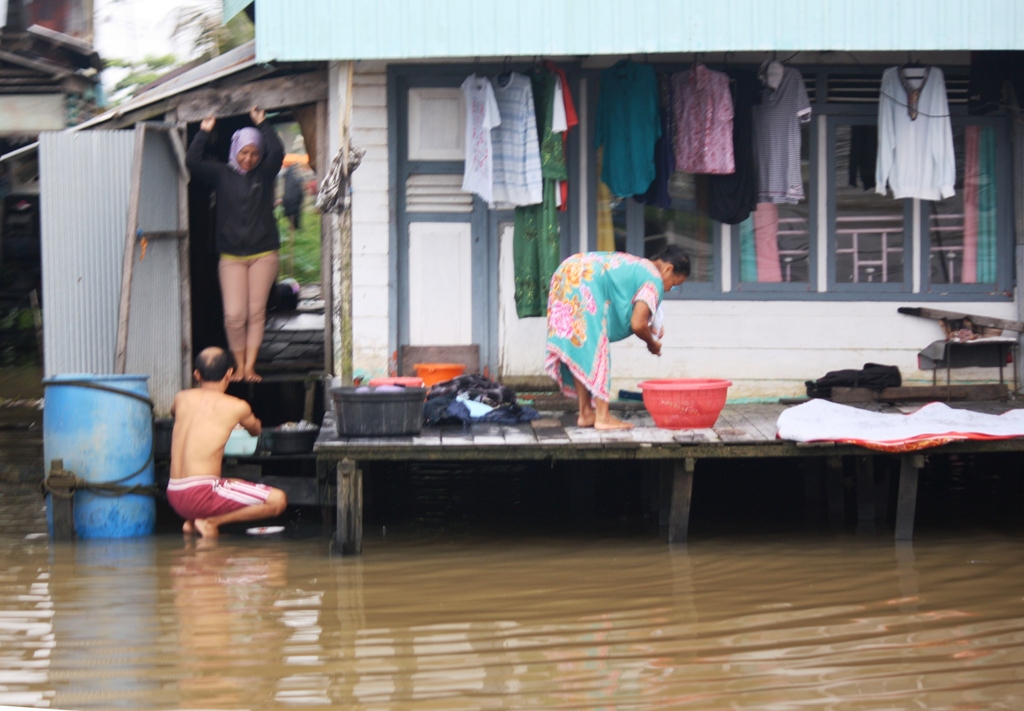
[{"x": 932, "y": 425}]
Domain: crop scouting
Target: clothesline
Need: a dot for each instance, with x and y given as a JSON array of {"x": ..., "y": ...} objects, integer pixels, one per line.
[{"x": 907, "y": 106}]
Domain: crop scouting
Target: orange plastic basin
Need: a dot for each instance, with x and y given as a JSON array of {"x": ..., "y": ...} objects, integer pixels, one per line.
[
  {"x": 433, "y": 373},
  {"x": 685, "y": 403}
]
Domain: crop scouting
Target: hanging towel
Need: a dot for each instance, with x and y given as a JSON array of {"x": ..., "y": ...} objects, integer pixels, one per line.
[{"x": 766, "y": 242}]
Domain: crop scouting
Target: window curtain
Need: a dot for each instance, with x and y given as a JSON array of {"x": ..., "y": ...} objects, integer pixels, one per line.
[
  {"x": 759, "y": 245},
  {"x": 979, "y": 265}
]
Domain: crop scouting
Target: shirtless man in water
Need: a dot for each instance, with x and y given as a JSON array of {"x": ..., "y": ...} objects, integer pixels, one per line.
[{"x": 203, "y": 420}]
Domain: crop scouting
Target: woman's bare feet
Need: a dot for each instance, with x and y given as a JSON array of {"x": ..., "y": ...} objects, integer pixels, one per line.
[
  {"x": 206, "y": 529},
  {"x": 253, "y": 377},
  {"x": 187, "y": 527},
  {"x": 612, "y": 423}
]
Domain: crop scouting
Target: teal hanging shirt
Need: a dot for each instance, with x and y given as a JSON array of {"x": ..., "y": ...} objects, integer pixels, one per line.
[{"x": 628, "y": 125}]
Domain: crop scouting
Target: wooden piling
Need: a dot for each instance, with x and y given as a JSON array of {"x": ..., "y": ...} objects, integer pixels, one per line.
[
  {"x": 61, "y": 485},
  {"x": 349, "y": 532},
  {"x": 682, "y": 491},
  {"x": 906, "y": 502}
]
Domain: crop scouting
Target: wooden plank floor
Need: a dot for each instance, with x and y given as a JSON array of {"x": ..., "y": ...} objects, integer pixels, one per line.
[
  {"x": 741, "y": 427},
  {"x": 748, "y": 423}
]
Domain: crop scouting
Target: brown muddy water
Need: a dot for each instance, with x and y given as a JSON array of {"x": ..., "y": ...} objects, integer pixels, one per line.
[{"x": 428, "y": 618}]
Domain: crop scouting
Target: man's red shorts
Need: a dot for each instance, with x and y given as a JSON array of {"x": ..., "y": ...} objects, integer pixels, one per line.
[{"x": 204, "y": 496}]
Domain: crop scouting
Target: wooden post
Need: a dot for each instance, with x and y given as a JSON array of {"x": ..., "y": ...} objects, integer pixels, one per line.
[
  {"x": 177, "y": 137},
  {"x": 834, "y": 489},
  {"x": 323, "y": 162},
  {"x": 341, "y": 257},
  {"x": 61, "y": 502},
  {"x": 682, "y": 490},
  {"x": 323, "y": 493},
  {"x": 906, "y": 503},
  {"x": 348, "y": 537},
  {"x": 865, "y": 489},
  {"x": 121, "y": 352}
]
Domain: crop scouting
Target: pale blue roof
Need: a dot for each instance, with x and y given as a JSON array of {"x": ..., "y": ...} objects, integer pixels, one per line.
[{"x": 424, "y": 29}]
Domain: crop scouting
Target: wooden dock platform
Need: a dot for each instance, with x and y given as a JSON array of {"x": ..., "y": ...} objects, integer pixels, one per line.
[{"x": 742, "y": 432}]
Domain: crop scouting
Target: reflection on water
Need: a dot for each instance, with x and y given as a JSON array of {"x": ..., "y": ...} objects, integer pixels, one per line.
[{"x": 784, "y": 622}]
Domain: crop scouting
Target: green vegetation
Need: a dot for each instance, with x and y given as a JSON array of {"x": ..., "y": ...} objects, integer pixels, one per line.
[{"x": 301, "y": 259}]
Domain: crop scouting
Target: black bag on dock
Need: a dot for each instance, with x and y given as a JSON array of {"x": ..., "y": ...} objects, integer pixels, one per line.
[{"x": 872, "y": 376}]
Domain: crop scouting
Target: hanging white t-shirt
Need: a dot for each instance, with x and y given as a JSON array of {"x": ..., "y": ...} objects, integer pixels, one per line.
[
  {"x": 915, "y": 153},
  {"x": 559, "y": 121},
  {"x": 481, "y": 116},
  {"x": 517, "y": 177}
]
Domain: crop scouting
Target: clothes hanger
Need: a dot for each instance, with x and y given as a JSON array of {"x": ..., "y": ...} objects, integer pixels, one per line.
[
  {"x": 911, "y": 63},
  {"x": 506, "y": 71},
  {"x": 476, "y": 71}
]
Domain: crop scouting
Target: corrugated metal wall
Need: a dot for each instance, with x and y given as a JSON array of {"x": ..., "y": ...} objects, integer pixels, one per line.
[
  {"x": 84, "y": 184},
  {"x": 85, "y": 181},
  {"x": 410, "y": 29},
  {"x": 154, "y": 323}
]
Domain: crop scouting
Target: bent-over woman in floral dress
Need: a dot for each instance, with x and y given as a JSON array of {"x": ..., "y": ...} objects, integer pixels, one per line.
[{"x": 596, "y": 299}]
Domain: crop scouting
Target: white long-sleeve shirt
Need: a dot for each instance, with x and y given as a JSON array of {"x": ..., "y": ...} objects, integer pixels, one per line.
[{"x": 915, "y": 157}]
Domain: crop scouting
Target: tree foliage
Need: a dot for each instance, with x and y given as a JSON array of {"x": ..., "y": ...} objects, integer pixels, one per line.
[
  {"x": 203, "y": 26},
  {"x": 141, "y": 73}
]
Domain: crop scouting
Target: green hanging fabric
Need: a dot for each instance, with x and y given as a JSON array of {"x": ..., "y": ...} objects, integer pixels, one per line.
[
  {"x": 987, "y": 207},
  {"x": 536, "y": 253},
  {"x": 748, "y": 251},
  {"x": 536, "y": 247}
]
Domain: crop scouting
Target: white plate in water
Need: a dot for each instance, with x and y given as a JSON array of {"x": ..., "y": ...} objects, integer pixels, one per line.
[{"x": 264, "y": 530}]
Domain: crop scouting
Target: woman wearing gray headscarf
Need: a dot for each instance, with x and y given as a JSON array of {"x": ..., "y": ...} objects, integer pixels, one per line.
[{"x": 246, "y": 230}]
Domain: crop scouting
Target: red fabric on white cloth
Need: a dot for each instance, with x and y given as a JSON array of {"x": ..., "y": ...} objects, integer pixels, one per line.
[{"x": 930, "y": 426}]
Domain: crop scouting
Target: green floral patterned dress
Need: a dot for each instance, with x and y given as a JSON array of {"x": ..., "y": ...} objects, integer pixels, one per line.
[
  {"x": 536, "y": 247},
  {"x": 590, "y": 305}
]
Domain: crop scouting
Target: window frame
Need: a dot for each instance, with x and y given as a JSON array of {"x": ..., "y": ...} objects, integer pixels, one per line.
[
  {"x": 811, "y": 199},
  {"x": 906, "y": 285},
  {"x": 825, "y": 118},
  {"x": 635, "y": 238}
]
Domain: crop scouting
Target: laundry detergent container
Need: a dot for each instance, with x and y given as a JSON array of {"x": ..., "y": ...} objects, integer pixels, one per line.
[{"x": 102, "y": 427}]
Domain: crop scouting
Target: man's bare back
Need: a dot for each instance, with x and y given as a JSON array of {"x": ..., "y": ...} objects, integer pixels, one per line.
[{"x": 203, "y": 420}]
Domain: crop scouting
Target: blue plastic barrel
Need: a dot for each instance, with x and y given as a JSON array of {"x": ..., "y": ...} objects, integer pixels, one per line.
[{"x": 102, "y": 427}]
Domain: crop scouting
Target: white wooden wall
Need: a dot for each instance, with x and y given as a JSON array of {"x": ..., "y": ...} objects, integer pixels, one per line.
[
  {"x": 769, "y": 348},
  {"x": 370, "y": 226}
]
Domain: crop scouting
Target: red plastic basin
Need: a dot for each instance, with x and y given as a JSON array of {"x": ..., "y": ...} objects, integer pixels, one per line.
[
  {"x": 405, "y": 381},
  {"x": 685, "y": 403}
]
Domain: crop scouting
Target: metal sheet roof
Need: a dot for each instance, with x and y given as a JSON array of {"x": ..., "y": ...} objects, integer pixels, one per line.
[
  {"x": 412, "y": 29},
  {"x": 219, "y": 67}
]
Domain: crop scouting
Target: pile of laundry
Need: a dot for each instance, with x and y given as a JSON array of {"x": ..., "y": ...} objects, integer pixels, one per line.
[{"x": 468, "y": 399}]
